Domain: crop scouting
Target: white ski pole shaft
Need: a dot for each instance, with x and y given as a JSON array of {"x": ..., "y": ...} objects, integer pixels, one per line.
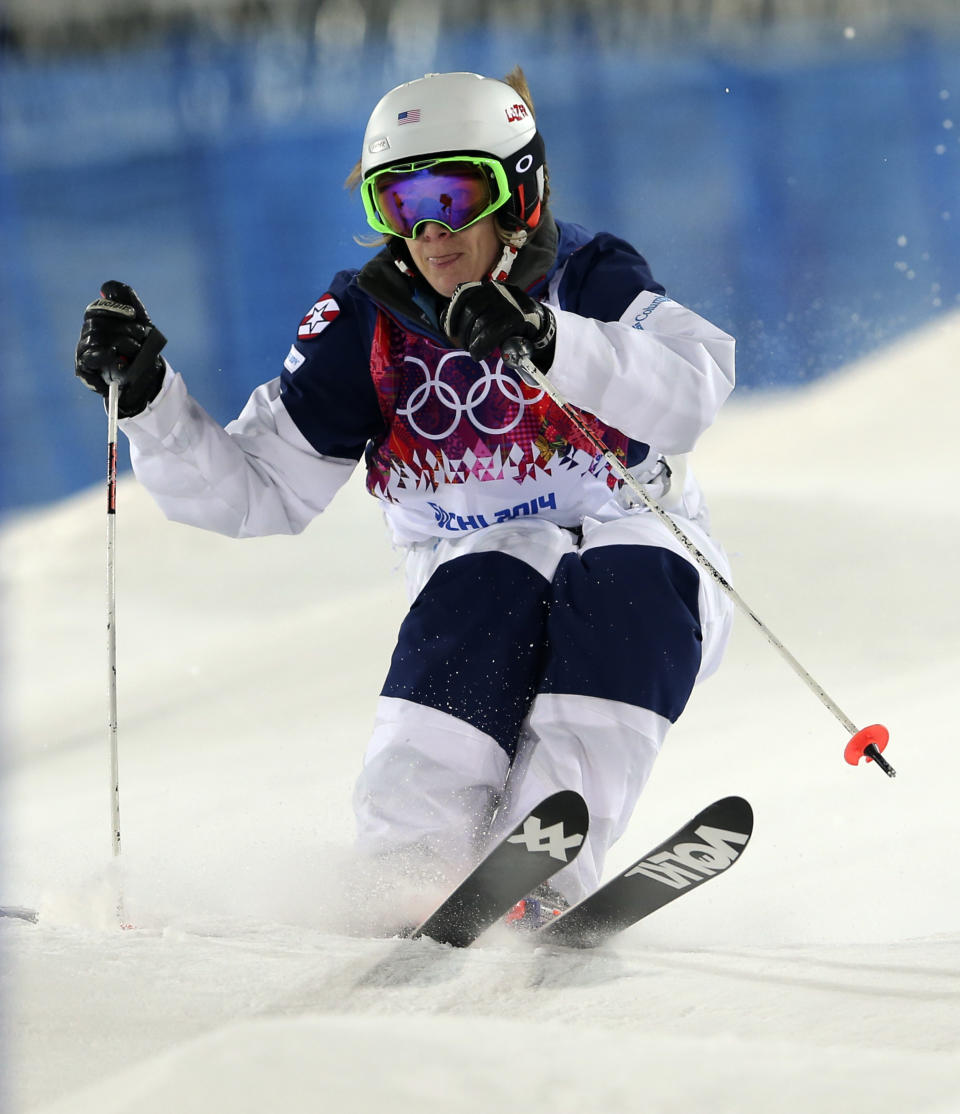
[
  {"x": 514, "y": 354},
  {"x": 113, "y": 404}
]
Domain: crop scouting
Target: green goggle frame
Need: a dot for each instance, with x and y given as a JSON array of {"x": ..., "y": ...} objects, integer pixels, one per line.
[{"x": 432, "y": 190}]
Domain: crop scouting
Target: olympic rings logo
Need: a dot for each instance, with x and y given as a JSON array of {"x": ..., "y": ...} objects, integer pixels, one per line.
[{"x": 434, "y": 392}]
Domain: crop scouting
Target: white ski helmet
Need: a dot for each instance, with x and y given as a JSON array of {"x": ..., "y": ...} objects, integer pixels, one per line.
[{"x": 457, "y": 114}]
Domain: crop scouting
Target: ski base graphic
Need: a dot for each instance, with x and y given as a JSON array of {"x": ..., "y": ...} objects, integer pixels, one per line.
[
  {"x": 548, "y": 838},
  {"x": 703, "y": 848}
]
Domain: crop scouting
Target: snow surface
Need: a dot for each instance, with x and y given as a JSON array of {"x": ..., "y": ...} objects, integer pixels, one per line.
[{"x": 821, "y": 974}]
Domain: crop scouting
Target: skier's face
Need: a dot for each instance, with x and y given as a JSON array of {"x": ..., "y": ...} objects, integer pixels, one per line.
[{"x": 445, "y": 258}]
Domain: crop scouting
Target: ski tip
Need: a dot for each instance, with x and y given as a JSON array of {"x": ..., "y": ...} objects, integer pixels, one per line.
[
  {"x": 567, "y": 801},
  {"x": 734, "y": 811},
  {"x": 562, "y": 796},
  {"x": 567, "y": 807}
]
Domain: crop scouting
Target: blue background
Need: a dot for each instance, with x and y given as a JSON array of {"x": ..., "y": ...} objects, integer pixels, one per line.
[{"x": 804, "y": 196}]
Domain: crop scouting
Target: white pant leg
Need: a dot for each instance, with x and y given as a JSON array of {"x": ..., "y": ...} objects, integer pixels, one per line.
[
  {"x": 431, "y": 781},
  {"x": 429, "y": 785},
  {"x": 604, "y": 750}
]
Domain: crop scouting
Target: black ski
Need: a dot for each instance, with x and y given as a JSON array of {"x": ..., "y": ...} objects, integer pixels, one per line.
[
  {"x": 550, "y": 837},
  {"x": 705, "y": 847}
]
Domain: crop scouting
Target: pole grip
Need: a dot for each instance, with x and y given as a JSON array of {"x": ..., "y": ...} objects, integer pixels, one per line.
[{"x": 517, "y": 352}]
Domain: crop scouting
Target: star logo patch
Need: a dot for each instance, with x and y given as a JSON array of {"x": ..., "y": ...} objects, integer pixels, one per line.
[{"x": 319, "y": 317}]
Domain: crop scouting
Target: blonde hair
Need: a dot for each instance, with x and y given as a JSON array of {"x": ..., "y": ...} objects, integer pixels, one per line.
[{"x": 517, "y": 81}]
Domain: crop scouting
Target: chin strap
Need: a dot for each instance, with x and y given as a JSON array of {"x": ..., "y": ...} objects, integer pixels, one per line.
[
  {"x": 404, "y": 267},
  {"x": 503, "y": 266}
]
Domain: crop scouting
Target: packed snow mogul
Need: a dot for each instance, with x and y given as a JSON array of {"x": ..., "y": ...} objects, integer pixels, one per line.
[{"x": 556, "y": 628}]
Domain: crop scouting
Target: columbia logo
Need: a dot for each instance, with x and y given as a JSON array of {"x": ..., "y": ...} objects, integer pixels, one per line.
[{"x": 642, "y": 316}]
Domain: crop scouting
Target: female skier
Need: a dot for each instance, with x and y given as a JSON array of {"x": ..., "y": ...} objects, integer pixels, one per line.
[{"x": 556, "y": 629}]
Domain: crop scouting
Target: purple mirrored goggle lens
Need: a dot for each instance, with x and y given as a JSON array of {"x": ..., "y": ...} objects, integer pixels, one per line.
[{"x": 454, "y": 196}]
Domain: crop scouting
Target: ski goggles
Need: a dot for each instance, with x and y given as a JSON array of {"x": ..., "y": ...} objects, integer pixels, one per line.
[{"x": 455, "y": 192}]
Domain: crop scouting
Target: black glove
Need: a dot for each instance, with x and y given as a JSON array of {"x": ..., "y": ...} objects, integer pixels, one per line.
[
  {"x": 482, "y": 315},
  {"x": 119, "y": 341}
]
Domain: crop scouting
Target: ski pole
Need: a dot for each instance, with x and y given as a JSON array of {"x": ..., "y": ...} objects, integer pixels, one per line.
[
  {"x": 116, "y": 376},
  {"x": 868, "y": 742},
  {"x": 113, "y": 405}
]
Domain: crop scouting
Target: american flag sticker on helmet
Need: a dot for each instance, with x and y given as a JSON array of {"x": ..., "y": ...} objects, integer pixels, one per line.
[{"x": 409, "y": 116}]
